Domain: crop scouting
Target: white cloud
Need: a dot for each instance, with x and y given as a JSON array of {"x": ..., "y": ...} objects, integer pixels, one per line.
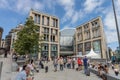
[
  {"x": 66, "y": 3},
  {"x": 68, "y": 6},
  {"x": 111, "y": 36},
  {"x": 90, "y": 5},
  {"x": 109, "y": 21},
  {"x": 21, "y": 6},
  {"x": 3, "y": 3},
  {"x": 26, "y": 5},
  {"x": 66, "y": 27}
]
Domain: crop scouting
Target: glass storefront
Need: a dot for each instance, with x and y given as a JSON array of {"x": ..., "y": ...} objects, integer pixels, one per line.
[
  {"x": 67, "y": 41},
  {"x": 97, "y": 46},
  {"x": 44, "y": 51},
  {"x": 87, "y": 47}
]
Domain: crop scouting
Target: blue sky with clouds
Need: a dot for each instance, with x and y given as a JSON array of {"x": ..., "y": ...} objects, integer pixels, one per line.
[{"x": 70, "y": 12}]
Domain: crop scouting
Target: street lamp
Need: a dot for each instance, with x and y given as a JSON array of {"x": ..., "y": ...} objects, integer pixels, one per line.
[{"x": 118, "y": 34}]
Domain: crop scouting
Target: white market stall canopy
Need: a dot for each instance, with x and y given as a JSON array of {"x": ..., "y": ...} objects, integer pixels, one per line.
[{"x": 92, "y": 54}]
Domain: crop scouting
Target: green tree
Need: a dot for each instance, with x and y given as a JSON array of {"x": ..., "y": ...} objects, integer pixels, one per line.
[{"x": 28, "y": 38}]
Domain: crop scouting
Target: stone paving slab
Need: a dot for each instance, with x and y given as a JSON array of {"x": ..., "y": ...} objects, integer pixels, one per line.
[
  {"x": 67, "y": 74},
  {"x": 6, "y": 68}
]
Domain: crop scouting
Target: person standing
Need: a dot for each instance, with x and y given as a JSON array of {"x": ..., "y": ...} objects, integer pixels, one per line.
[
  {"x": 85, "y": 63},
  {"x": 73, "y": 63},
  {"x": 61, "y": 63},
  {"x": 79, "y": 62}
]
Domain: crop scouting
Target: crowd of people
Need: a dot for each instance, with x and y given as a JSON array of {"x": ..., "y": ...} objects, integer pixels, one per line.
[
  {"x": 104, "y": 69},
  {"x": 61, "y": 63}
]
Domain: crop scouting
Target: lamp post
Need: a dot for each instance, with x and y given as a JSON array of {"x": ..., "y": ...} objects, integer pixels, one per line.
[{"x": 118, "y": 34}]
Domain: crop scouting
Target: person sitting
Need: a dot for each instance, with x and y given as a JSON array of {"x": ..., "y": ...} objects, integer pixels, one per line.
[
  {"x": 23, "y": 75},
  {"x": 106, "y": 69}
]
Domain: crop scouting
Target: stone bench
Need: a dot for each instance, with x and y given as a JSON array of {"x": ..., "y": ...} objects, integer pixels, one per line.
[{"x": 109, "y": 76}]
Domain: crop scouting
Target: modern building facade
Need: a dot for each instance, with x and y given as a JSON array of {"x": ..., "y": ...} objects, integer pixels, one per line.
[
  {"x": 49, "y": 29},
  {"x": 11, "y": 37},
  {"x": 1, "y": 31},
  {"x": 13, "y": 34},
  {"x": 8, "y": 42},
  {"x": 3, "y": 43},
  {"x": 91, "y": 35},
  {"x": 67, "y": 42}
]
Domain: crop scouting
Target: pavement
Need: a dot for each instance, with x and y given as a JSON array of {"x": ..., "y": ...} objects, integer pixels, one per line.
[
  {"x": 66, "y": 74},
  {"x": 6, "y": 67}
]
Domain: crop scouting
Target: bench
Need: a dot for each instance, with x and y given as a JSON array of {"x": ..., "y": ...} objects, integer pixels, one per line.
[{"x": 109, "y": 76}]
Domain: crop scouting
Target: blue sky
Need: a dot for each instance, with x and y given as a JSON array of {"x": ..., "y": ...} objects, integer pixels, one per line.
[{"x": 70, "y": 12}]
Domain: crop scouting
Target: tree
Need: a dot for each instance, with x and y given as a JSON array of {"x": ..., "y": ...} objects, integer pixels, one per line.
[{"x": 28, "y": 38}]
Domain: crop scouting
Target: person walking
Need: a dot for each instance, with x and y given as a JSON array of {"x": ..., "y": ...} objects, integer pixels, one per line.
[{"x": 55, "y": 63}]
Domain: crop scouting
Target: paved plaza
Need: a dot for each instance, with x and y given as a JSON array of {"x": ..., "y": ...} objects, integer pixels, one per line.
[{"x": 66, "y": 74}]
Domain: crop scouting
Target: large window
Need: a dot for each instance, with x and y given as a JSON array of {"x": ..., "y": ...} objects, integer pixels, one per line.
[
  {"x": 44, "y": 54},
  {"x": 38, "y": 19},
  {"x": 97, "y": 46},
  {"x": 66, "y": 48},
  {"x": 54, "y": 47},
  {"x": 96, "y": 33},
  {"x": 44, "y": 47},
  {"x": 52, "y": 38},
  {"x": 46, "y": 30},
  {"x": 42, "y": 20},
  {"x": 53, "y": 22},
  {"x": 66, "y": 40},
  {"x": 80, "y": 47},
  {"x": 46, "y": 37},
  {"x": 56, "y": 23},
  {"x": 35, "y": 18},
  {"x": 47, "y": 21},
  {"x": 87, "y": 46}
]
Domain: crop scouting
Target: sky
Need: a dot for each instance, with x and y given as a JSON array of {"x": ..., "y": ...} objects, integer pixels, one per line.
[{"x": 71, "y": 13}]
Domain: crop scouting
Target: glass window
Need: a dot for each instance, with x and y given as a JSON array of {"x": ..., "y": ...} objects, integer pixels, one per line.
[
  {"x": 44, "y": 47},
  {"x": 42, "y": 20},
  {"x": 38, "y": 19},
  {"x": 47, "y": 21},
  {"x": 87, "y": 46},
  {"x": 56, "y": 23},
  {"x": 97, "y": 46},
  {"x": 53, "y": 47},
  {"x": 53, "y": 22},
  {"x": 46, "y": 37},
  {"x": 35, "y": 18},
  {"x": 52, "y": 38}
]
